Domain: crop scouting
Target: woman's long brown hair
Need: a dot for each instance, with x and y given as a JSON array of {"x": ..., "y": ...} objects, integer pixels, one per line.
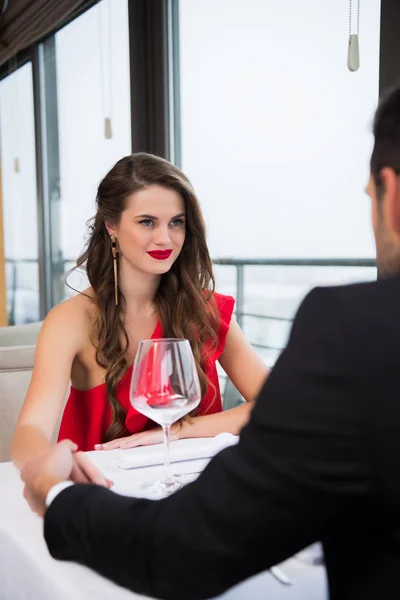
[{"x": 184, "y": 298}]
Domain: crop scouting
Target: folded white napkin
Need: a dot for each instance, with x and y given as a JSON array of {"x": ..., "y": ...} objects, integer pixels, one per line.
[{"x": 180, "y": 450}]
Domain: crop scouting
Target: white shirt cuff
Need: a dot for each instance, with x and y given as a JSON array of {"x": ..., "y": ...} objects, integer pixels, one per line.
[{"x": 55, "y": 490}]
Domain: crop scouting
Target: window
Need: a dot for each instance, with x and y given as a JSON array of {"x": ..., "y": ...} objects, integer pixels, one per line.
[
  {"x": 88, "y": 79},
  {"x": 18, "y": 173},
  {"x": 276, "y": 139},
  {"x": 275, "y": 129}
]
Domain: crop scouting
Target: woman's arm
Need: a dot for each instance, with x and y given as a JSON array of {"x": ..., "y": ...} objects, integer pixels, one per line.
[
  {"x": 242, "y": 364},
  {"x": 57, "y": 345},
  {"x": 247, "y": 372}
]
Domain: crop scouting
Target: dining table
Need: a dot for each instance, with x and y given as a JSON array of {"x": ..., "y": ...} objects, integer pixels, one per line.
[{"x": 28, "y": 572}]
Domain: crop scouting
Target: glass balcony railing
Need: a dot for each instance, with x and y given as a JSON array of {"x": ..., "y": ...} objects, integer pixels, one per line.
[{"x": 267, "y": 291}]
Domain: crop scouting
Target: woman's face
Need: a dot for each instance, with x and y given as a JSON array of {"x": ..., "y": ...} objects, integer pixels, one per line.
[{"x": 152, "y": 229}]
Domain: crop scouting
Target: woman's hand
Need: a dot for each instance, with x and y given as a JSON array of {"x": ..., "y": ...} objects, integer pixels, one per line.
[
  {"x": 59, "y": 463},
  {"x": 144, "y": 438},
  {"x": 84, "y": 471}
]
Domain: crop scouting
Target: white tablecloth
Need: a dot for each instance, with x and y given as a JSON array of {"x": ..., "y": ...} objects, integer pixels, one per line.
[{"x": 27, "y": 571}]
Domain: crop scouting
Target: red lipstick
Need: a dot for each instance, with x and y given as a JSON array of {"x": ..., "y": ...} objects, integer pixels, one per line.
[{"x": 160, "y": 254}]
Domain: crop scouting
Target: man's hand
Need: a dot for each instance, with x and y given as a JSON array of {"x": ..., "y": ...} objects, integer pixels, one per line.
[
  {"x": 84, "y": 471},
  {"x": 40, "y": 474},
  {"x": 61, "y": 463}
]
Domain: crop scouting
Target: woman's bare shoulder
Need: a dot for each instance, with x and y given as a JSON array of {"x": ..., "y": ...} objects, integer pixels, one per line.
[{"x": 78, "y": 312}]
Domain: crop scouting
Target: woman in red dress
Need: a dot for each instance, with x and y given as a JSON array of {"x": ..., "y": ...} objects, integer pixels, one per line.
[{"x": 150, "y": 275}]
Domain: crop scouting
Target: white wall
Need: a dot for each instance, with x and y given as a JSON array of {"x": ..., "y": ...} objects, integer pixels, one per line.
[{"x": 275, "y": 129}]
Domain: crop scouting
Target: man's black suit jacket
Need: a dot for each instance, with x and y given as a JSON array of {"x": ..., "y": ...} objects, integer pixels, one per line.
[{"x": 319, "y": 460}]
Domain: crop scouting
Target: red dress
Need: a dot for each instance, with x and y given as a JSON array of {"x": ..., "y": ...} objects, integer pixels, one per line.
[{"x": 87, "y": 414}]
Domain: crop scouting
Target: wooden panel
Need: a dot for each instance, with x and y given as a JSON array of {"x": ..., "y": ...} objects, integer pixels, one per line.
[{"x": 3, "y": 299}]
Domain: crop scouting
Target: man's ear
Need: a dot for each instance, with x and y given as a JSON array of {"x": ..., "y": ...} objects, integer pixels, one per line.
[{"x": 391, "y": 198}]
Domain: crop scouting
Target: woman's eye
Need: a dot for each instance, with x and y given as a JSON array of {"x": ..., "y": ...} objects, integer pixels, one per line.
[
  {"x": 146, "y": 222},
  {"x": 177, "y": 222}
]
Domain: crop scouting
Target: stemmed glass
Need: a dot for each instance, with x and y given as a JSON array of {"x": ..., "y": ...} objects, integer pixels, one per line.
[{"x": 164, "y": 387}]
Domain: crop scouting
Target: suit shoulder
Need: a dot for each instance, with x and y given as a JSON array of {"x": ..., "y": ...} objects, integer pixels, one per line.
[
  {"x": 370, "y": 301},
  {"x": 350, "y": 297},
  {"x": 341, "y": 311},
  {"x": 365, "y": 316}
]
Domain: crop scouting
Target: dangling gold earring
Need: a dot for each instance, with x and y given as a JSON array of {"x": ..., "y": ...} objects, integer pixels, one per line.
[{"x": 115, "y": 251}]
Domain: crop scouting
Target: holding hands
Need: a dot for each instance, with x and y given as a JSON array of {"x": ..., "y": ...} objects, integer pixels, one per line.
[{"x": 61, "y": 463}]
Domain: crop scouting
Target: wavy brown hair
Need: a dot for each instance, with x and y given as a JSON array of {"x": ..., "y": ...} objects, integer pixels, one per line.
[{"x": 183, "y": 300}]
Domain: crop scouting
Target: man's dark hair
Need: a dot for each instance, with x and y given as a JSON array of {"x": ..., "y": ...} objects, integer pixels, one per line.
[{"x": 386, "y": 129}]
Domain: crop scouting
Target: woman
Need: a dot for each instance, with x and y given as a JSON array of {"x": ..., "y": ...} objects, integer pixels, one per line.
[{"x": 151, "y": 276}]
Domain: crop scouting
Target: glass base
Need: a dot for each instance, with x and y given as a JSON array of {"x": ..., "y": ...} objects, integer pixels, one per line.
[{"x": 161, "y": 489}]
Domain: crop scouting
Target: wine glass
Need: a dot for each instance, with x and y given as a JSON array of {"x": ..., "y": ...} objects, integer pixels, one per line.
[{"x": 164, "y": 387}]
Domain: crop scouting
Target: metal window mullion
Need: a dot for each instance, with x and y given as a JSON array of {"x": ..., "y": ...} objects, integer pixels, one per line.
[
  {"x": 149, "y": 92},
  {"x": 43, "y": 244},
  {"x": 173, "y": 83},
  {"x": 240, "y": 295},
  {"x": 45, "y": 257}
]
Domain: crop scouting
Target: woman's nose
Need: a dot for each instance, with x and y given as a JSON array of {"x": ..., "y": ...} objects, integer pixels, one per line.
[{"x": 161, "y": 236}]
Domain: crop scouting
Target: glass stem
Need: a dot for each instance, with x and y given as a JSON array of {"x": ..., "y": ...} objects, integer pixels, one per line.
[{"x": 167, "y": 470}]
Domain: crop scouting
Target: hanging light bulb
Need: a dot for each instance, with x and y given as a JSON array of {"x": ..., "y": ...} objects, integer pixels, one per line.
[
  {"x": 353, "y": 54},
  {"x": 107, "y": 128},
  {"x": 16, "y": 138},
  {"x": 106, "y": 74}
]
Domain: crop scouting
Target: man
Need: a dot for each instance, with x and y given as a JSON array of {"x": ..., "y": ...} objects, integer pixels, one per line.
[{"x": 319, "y": 460}]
